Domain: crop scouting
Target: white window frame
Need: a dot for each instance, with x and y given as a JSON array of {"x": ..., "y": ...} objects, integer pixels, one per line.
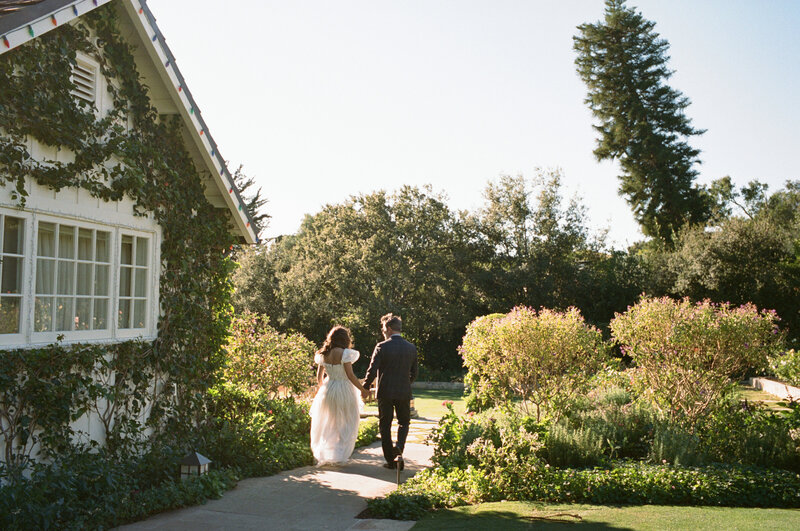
[
  {"x": 150, "y": 310},
  {"x": 28, "y": 337},
  {"x": 24, "y": 299}
]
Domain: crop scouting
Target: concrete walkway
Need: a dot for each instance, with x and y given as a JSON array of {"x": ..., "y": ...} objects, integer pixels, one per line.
[{"x": 306, "y": 498}]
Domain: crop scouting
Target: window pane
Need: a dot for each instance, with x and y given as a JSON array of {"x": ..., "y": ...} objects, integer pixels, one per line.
[
  {"x": 12, "y": 275},
  {"x": 125, "y": 281},
  {"x": 138, "y": 314},
  {"x": 66, "y": 242},
  {"x": 124, "y": 313},
  {"x": 43, "y": 314},
  {"x": 140, "y": 284},
  {"x": 9, "y": 315},
  {"x": 141, "y": 251},
  {"x": 84, "y": 279},
  {"x": 13, "y": 233},
  {"x": 101, "y": 280},
  {"x": 101, "y": 245},
  {"x": 45, "y": 274},
  {"x": 127, "y": 250},
  {"x": 64, "y": 313},
  {"x": 46, "y": 241},
  {"x": 66, "y": 278},
  {"x": 100, "y": 314},
  {"x": 83, "y": 314},
  {"x": 84, "y": 244}
]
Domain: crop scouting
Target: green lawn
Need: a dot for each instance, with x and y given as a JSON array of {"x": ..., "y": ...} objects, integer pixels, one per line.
[
  {"x": 428, "y": 403},
  {"x": 531, "y": 515}
]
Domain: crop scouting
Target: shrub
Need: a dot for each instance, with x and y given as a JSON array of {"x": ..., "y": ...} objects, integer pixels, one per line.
[
  {"x": 91, "y": 491},
  {"x": 255, "y": 434},
  {"x": 750, "y": 434},
  {"x": 262, "y": 359},
  {"x": 687, "y": 352},
  {"x": 544, "y": 357},
  {"x": 786, "y": 366},
  {"x": 478, "y": 349},
  {"x": 367, "y": 432}
]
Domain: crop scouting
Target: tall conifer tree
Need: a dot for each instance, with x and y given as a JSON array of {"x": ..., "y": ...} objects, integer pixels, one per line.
[{"x": 641, "y": 119}]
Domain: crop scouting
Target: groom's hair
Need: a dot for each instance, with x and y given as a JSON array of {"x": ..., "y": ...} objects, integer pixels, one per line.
[{"x": 392, "y": 321}]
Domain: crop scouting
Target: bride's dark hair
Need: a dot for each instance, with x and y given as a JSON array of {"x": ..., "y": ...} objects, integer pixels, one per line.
[{"x": 339, "y": 336}]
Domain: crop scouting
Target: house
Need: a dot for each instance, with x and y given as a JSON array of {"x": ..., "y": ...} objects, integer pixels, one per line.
[{"x": 116, "y": 211}]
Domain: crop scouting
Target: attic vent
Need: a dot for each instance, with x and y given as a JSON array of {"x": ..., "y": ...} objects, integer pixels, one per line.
[{"x": 84, "y": 80}]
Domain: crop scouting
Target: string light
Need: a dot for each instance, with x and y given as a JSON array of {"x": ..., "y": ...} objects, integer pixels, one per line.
[
  {"x": 141, "y": 10},
  {"x": 240, "y": 206},
  {"x": 202, "y": 131},
  {"x": 180, "y": 88},
  {"x": 5, "y": 41},
  {"x": 230, "y": 191},
  {"x": 94, "y": 2},
  {"x": 155, "y": 36},
  {"x": 191, "y": 110},
  {"x": 75, "y": 10},
  {"x": 53, "y": 20},
  {"x": 222, "y": 171},
  {"x": 212, "y": 152},
  {"x": 167, "y": 64},
  {"x": 30, "y": 31},
  {"x": 248, "y": 224}
]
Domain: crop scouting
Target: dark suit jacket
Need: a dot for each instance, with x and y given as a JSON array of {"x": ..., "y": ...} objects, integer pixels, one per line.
[{"x": 394, "y": 364}]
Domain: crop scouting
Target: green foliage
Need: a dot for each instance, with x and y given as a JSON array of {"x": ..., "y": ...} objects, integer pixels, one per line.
[
  {"x": 254, "y": 433},
  {"x": 750, "y": 434},
  {"x": 262, "y": 359},
  {"x": 786, "y": 366},
  {"x": 744, "y": 260},
  {"x": 687, "y": 352},
  {"x": 406, "y": 252},
  {"x": 367, "y": 432},
  {"x": 641, "y": 120},
  {"x": 624, "y": 484},
  {"x": 544, "y": 357},
  {"x": 96, "y": 490},
  {"x": 479, "y": 349}
]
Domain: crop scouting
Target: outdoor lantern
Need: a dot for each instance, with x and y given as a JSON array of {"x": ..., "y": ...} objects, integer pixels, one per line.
[{"x": 194, "y": 464}]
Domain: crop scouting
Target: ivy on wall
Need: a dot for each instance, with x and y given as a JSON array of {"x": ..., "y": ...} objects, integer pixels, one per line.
[{"x": 130, "y": 151}]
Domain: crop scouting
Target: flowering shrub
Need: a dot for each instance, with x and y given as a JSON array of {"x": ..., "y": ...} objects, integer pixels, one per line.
[
  {"x": 544, "y": 357},
  {"x": 786, "y": 366},
  {"x": 687, "y": 353},
  {"x": 262, "y": 359},
  {"x": 479, "y": 349}
]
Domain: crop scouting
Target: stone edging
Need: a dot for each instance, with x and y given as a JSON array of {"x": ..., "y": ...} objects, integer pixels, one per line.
[{"x": 781, "y": 390}]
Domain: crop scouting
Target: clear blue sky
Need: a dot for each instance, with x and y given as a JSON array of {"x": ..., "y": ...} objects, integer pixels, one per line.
[{"x": 320, "y": 100}]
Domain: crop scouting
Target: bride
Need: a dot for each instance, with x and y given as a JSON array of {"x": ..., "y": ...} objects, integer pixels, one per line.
[{"x": 336, "y": 408}]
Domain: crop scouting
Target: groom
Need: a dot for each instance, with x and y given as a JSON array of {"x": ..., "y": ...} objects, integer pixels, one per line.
[{"x": 394, "y": 363}]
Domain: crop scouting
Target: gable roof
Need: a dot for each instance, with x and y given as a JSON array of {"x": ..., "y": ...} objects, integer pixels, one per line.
[{"x": 24, "y": 20}]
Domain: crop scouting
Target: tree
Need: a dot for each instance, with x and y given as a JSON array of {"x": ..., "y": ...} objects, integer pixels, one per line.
[
  {"x": 254, "y": 202},
  {"x": 405, "y": 252},
  {"x": 642, "y": 124}
]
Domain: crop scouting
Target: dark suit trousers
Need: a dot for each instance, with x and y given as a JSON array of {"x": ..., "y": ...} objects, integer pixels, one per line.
[{"x": 386, "y": 410}]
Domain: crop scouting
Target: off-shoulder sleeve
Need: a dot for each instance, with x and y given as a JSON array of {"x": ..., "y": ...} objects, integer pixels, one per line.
[
  {"x": 319, "y": 359},
  {"x": 350, "y": 356}
]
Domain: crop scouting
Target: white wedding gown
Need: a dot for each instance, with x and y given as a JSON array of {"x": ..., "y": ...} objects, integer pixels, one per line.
[{"x": 335, "y": 413}]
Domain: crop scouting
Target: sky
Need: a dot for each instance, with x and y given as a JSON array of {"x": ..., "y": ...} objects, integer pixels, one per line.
[{"x": 320, "y": 100}]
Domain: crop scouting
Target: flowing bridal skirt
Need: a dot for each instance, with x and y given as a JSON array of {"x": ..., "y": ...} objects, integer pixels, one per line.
[{"x": 335, "y": 414}]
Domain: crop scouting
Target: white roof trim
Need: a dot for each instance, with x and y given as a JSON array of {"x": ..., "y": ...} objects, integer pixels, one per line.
[{"x": 144, "y": 22}]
